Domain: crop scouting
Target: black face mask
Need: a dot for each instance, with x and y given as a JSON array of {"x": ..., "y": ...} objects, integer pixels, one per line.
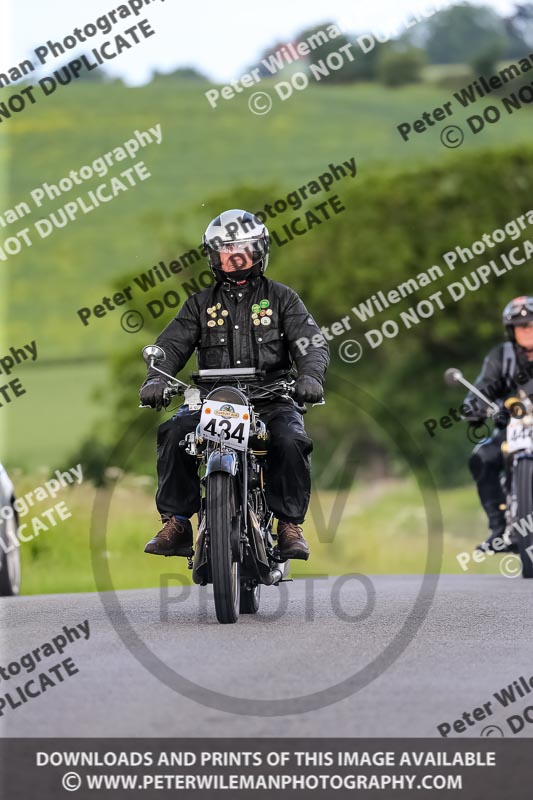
[
  {"x": 233, "y": 277},
  {"x": 238, "y": 275},
  {"x": 524, "y": 350}
]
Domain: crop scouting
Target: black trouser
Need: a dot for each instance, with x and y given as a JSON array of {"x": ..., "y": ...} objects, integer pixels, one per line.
[
  {"x": 486, "y": 464},
  {"x": 287, "y": 474}
]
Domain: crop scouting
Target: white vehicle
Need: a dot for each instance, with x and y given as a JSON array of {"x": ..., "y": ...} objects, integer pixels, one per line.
[{"x": 9, "y": 549}]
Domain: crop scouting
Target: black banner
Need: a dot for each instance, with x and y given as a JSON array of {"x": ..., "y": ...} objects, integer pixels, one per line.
[{"x": 201, "y": 768}]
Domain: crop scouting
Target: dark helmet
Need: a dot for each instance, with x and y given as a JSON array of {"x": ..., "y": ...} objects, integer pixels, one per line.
[
  {"x": 242, "y": 235},
  {"x": 518, "y": 312}
]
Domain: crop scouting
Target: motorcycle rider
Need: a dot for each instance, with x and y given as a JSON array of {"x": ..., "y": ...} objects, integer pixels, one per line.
[
  {"x": 507, "y": 367},
  {"x": 243, "y": 320}
]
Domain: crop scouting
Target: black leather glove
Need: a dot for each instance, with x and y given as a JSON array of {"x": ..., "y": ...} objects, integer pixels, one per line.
[
  {"x": 501, "y": 419},
  {"x": 151, "y": 393},
  {"x": 308, "y": 390}
]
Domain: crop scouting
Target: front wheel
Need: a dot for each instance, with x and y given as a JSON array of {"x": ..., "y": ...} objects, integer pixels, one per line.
[
  {"x": 220, "y": 524},
  {"x": 523, "y": 481}
]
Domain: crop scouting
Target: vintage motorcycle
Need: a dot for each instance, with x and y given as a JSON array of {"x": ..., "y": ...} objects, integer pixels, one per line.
[
  {"x": 235, "y": 546},
  {"x": 517, "y": 477}
]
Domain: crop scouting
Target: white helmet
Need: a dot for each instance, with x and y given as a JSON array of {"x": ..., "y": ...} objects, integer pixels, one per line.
[{"x": 242, "y": 235}]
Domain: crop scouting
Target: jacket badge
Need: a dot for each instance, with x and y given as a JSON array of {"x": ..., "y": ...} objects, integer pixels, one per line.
[{"x": 212, "y": 312}]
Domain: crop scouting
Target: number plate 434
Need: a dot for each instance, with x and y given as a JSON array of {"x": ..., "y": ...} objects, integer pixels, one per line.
[{"x": 225, "y": 422}]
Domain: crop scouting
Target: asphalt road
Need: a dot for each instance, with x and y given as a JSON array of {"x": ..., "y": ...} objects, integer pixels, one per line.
[{"x": 477, "y": 638}]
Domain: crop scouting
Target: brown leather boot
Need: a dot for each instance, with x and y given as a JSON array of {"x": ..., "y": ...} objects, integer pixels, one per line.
[
  {"x": 291, "y": 543},
  {"x": 174, "y": 538}
]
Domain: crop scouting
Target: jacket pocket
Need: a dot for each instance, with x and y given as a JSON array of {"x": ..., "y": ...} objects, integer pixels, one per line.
[
  {"x": 273, "y": 352},
  {"x": 266, "y": 335},
  {"x": 213, "y": 350}
]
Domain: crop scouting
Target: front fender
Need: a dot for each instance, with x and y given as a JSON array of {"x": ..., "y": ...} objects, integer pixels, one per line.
[{"x": 222, "y": 462}]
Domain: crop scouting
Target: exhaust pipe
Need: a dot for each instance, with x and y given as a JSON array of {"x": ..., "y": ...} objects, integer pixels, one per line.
[{"x": 273, "y": 577}]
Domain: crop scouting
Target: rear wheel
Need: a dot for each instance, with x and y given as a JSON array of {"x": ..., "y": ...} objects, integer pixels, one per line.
[
  {"x": 250, "y": 597},
  {"x": 224, "y": 569},
  {"x": 523, "y": 481},
  {"x": 10, "y": 564}
]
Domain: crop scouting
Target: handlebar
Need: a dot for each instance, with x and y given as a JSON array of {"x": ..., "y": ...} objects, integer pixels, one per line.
[
  {"x": 172, "y": 391},
  {"x": 281, "y": 386},
  {"x": 257, "y": 392}
]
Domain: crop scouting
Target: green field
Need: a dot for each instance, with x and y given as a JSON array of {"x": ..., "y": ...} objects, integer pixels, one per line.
[
  {"x": 204, "y": 152},
  {"x": 382, "y": 530}
]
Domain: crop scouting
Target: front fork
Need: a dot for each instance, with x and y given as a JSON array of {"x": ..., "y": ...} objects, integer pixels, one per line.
[
  {"x": 506, "y": 483},
  {"x": 229, "y": 461},
  {"x": 509, "y": 487}
]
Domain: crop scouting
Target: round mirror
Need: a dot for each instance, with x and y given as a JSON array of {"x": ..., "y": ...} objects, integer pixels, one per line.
[
  {"x": 153, "y": 352},
  {"x": 452, "y": 376}
]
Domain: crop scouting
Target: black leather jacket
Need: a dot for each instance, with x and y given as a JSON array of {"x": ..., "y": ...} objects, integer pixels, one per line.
[
  {"x": 505, "y": 370},
  {"x": 257, "y": 324}
]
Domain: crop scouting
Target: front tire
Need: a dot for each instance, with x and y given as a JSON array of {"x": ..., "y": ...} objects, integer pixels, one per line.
[
  {"x": 523, "y": 481},
  {"x": 225, "y": 570}
]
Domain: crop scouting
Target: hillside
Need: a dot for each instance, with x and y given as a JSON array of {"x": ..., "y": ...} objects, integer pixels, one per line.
[{"x": 204, "y": 152}]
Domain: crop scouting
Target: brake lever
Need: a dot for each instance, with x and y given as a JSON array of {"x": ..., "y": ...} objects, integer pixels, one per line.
[
  {"x": 291, "y": 393},
  {"x": 167, "y": 397}
]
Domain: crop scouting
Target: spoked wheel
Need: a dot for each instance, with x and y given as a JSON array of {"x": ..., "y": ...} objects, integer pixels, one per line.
[
  {"x": 250, "y": 597},
  {"x": 10, "y": 560},
  {"x": 523, "y": 478},
  {"x": 224, "y": 569}
]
